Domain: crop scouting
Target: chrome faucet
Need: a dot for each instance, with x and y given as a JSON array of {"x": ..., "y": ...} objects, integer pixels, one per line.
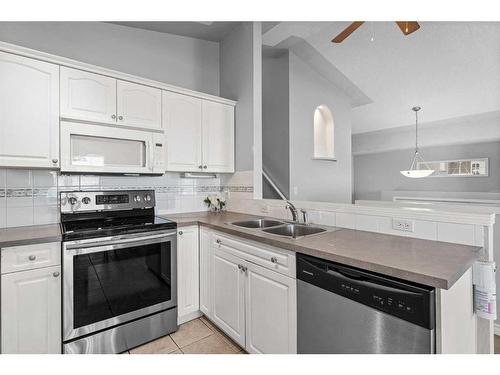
[{"x": 293, "y": 210}]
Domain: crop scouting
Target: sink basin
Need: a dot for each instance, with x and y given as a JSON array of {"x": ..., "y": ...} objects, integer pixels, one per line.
[
  {"x": 294, "y": 230},
  {"x": 257, "y": 223}
]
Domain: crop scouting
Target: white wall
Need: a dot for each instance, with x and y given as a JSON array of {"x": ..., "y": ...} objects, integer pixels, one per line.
[
  {"x": 181, "y": 61},
  {"x": 317, "y": 180},
  {"x": 375, "y": 173},
  {"x": 275, "y": 123},
  {"x": 478, "y": 128},
  {"x": 236, "y": 82}
]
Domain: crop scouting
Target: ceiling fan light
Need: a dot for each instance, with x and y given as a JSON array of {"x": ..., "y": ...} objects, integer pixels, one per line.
[{"x": 417, "y": 173}]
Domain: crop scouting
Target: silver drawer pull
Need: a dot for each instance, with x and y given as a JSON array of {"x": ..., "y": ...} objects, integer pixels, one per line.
[
  {"x": 32, "y": 257},
  {"x": 181, "y": 232},
  {"x": 55, "y": 274},
  {"x": 218, "y": 241},
  {"x": 274, "y": 260}
]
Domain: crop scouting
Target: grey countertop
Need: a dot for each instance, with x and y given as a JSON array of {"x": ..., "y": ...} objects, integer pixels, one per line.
[
  {"x": 30, "y": 235},
  {"x": 438, "y": 264},
  {"x": 434, "y": 263}
]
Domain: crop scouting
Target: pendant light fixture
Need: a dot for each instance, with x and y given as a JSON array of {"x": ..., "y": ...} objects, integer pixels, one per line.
[{"x": 414, "y": 171}]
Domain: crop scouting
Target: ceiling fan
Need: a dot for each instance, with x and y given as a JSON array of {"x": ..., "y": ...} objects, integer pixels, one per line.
[{"x": 407, "y": 27}]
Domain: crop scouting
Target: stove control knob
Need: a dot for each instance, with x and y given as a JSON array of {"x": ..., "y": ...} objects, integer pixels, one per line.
[
  {"x": 72, "y": 201},
  {"x": 86, "y": 200},
  {"x": 137, "y": 198},
  {"x": 147, "y": 198}
]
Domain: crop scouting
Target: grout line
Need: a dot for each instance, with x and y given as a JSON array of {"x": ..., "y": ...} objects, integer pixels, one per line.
[{"x": 171, "y": 338}]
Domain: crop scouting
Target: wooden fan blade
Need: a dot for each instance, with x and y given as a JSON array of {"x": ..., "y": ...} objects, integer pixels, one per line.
[
  {"x": 408, "y": 27},
  {"x": 347, "y": 31}
]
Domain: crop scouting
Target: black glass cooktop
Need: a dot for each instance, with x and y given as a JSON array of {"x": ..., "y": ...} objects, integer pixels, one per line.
[{"x": 82, "y": 226}]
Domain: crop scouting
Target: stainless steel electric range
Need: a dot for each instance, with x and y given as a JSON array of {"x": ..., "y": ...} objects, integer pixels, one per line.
[{"x": 119, "y": 271}]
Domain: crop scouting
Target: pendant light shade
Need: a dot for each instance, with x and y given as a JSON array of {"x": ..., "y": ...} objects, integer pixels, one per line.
[{"x": 414, "y": 172}]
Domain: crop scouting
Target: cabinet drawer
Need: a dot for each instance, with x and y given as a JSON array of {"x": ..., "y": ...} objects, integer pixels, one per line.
[
  {"x": 270, "y": 257},
  {"x": 28, "y": 257}
]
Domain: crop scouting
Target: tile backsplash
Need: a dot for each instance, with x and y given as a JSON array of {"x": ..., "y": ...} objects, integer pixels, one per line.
[{"x": 30, "y": 197}]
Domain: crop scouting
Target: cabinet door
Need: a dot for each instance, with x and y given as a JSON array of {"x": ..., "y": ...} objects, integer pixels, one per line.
[
  {"x": 138, "y": 105},
  {"x": 188, "y": 296},
  {"x": 205, "y": 272},
  {"x": 218, "y": 137},
  {"x": 87, "y": 96},
  {"x": 271, "y": 316},
  {"x": 31, "y": 311},
  {"x": 182, "y": 124},
  {"x": 29, "y": 112},
  {"x": 228, "y": 304}
]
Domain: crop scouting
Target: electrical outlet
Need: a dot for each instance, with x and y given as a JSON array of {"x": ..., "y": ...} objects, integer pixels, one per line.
[{"x": 403, "y": 225}]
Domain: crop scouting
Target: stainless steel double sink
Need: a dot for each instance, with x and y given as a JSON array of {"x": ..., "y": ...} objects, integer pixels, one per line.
[{"x": 279, "y": 228}]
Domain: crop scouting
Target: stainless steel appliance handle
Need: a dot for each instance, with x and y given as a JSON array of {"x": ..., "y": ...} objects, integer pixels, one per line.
[{"x": 117, "y": 242}]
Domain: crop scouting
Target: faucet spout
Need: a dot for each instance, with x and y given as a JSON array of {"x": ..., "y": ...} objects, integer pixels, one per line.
[{"x": 293, "y": 210}]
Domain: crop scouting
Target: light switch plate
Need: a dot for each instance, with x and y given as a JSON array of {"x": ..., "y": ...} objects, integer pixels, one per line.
[{"x": 402, "y": 225}]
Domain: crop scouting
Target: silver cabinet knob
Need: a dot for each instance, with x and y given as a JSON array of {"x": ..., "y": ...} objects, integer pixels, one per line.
[
  {"x": 55, "y": 161},
  {"x": 200, "y": 166},
  {"x": 204, "y": 167},
  {"x": 244, "y": 269},
  {"x": 56, "y": 274},
  {"x": 120, "y": 118},
  {"x": 113, "y": 117},
  {"x": 274, "y": 260},
  {"x": 218, "y": 241},
  {"x": 181, "y": 232},
  {"x": 32, "y": 257}
]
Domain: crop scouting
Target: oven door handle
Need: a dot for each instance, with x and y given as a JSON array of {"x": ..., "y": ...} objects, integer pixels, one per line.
[{"x": 117, "y": 243}]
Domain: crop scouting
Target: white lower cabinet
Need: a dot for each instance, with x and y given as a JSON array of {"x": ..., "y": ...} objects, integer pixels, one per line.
[
  {"x": 206, "y": 258},
  {"x": 271, "y": 313},
  {"x": 31, "y": 311},
  {"x": 254, "y": 305},
  {"x": 229, "y": 295},
  {"x": 187, "y": 274}
]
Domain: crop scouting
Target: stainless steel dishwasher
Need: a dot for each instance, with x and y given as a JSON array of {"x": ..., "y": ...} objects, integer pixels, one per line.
[{"x": 342, "y": 309}]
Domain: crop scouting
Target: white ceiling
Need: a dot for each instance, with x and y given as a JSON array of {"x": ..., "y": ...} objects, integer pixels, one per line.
[
  {"x": 450, "y": 69},
  {"x": 212, "y": 31}
]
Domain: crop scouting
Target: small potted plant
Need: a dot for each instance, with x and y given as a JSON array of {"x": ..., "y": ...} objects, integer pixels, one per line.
[{"x": 215, "y": 203}]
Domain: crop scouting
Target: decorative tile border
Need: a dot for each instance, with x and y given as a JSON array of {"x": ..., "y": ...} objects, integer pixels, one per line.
[
  {"x": 238, "y": 189},
  {"x": 19, "y": 193}
]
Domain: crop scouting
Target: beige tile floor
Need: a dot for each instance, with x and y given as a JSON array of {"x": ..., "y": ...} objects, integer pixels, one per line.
[{"x": 198, "y": 336}]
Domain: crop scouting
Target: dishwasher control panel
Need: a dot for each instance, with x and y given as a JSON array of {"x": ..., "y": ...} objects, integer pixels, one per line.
[{"x": 409, "y": 301}]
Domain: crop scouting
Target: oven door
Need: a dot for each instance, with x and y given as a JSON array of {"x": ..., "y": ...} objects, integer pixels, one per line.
[{"x": 112, "y": 280}]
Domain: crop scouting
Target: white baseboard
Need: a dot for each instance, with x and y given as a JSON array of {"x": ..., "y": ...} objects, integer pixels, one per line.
[
  {"x": 191, "y": 316},
  {"x": 497, "y": 329}
]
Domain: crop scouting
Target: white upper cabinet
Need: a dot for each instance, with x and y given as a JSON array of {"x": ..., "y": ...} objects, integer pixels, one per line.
[
  {"x": 138, "y": 105},
  {"x": 199, "y": 134},
  {"x": 218, "y": 137},
  {"x": 87, "y": 96},
  {"x": 97, "y": 98},
  {"x": 182, "y": 125},
  {"x": 29, "y": 112}
]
